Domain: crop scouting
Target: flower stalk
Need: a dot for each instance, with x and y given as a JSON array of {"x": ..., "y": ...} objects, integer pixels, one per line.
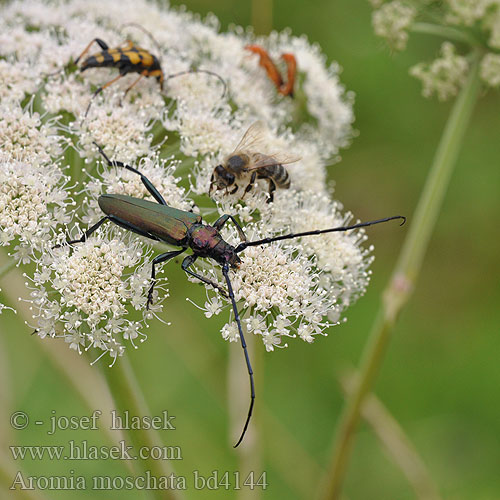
[
  {"x": 446, "y": 32},
  {"x": 127, "y": 395},
  {"x": 404, "y": 276}
]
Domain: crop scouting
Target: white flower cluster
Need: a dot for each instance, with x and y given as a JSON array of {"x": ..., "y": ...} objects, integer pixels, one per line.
[
  {"x": 490, "y": 69},
  {"x": 93, "y": 293},
  {"x": 476, "y": 22},
  {"x": 444, "y": 76},
  {"x": 391, "y": 21},
  {"x": 33, "y": 192},
  {"x": 83, "y": 293}
]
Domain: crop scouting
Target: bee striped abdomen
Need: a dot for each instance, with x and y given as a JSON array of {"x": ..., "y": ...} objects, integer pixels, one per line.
[{"x": 278, "y": 173}]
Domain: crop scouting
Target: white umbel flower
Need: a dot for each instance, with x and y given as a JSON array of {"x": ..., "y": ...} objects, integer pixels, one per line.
[
  {"x": 444, "y": 76},
  {"x": 392, "y": 20},
  {"x": 84, "y": 293},
  {"x": 490, "y": 69},
  {"x": 94, "y": 292}
]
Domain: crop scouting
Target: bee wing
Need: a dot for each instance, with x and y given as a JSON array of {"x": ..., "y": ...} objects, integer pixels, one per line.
[
  {"x": 274, "y": 159},
  {"x": 253, "y": 139}
]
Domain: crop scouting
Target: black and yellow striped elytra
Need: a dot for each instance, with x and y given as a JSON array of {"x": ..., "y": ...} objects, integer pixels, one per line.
[
  {"x": 127, "y": 59},
  {"x": 130, "y": 59}
]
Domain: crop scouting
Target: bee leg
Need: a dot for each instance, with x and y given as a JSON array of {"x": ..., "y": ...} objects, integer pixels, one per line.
[
  {"x": 99, "y": 90},
  {"x": 234, "y": 190},
  {"x": 219, "y": 223},
  {"x": 101, "y": 43},
  {"x": 250, "y": 184},
  {"x": 212, "y": 182},
  {"x": 272, "y": 189}
]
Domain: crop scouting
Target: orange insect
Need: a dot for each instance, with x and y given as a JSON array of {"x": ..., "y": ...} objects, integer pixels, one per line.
[{"x": 273, "y": 72}]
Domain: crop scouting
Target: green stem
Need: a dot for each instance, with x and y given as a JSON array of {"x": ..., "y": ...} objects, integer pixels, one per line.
[
  {"x": 446, "y": 32},
  {"x": 128, "y": 397},
  {"x": 400, "y": 287}
]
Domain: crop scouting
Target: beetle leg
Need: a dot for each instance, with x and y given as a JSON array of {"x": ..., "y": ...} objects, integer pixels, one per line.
[
  {"x": 189, "y": 261},
  {"x": 131, "y": 86},
  {"x": 219, "y": 223},
  {"x": 157, "y": 260},
  {"x": 100, "y": 89},
  {"x": 212, "y": 182},
  {"x": 129, "y": 44},
  {"x": 87, "y": 233},
  {"x": 250, "y": 184},
  {"x": 101, "y": 43},
  {"x": 147, "y": 183}
]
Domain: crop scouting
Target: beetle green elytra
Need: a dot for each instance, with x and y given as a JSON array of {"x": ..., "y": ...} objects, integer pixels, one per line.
[{"x": 166, "y": 223}]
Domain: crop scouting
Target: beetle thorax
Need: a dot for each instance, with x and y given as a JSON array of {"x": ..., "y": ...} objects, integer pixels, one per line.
[{"x": 206, "y": 241}]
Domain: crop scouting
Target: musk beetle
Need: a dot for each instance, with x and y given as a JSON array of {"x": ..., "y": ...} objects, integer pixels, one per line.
[{"x": 159, "y": 222}]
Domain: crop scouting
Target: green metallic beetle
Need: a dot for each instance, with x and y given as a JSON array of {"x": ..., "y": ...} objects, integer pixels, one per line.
[{"x": 159, "y": 222}]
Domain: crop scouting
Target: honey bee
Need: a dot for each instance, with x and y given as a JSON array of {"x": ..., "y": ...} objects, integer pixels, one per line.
[{"x": 247, "y": 163}]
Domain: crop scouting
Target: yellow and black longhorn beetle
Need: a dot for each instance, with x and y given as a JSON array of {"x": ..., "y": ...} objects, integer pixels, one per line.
[{"x": 129, "y": 59}]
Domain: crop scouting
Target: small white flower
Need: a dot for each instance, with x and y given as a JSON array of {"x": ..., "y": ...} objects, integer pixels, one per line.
[
  {"x": 230, "y": 332},
  {"x": 213, "y": 306},
  {"x": 271, "y": 340}
]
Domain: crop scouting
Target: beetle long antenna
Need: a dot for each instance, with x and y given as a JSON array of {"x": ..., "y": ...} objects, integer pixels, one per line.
[
  {"x": 148, "y": 33},
  {"x": 208, "y": 72},
  {"x": 225, "y": 272},
  {"x": 264, "y": 241}
]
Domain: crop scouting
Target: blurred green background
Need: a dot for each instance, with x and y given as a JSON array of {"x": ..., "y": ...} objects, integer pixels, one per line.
[{"x": 441, "y": 376}]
